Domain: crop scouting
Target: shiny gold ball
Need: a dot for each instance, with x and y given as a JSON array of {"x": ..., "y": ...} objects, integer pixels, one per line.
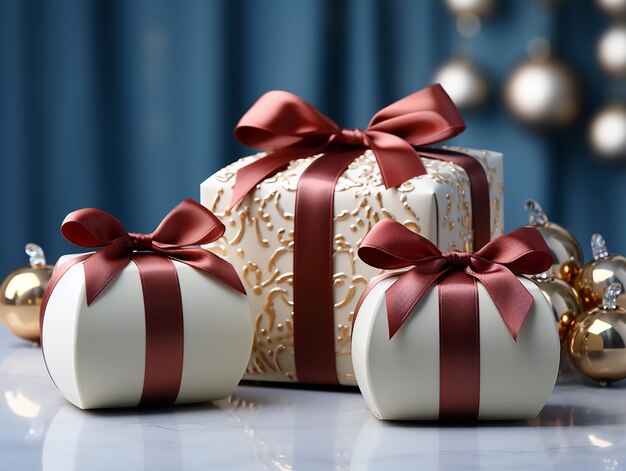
[
  {"x": 563, "y": 246},
  {"x": 567, "y": 254},
  {"x": 569, "y": 271},
  {"x": 607, "y": 132},
  {"x": 612, "y": 51},
  {"x": 597, "y": 275},
  {"x": 542, "y": 94},
  {"x": 464, "y": 82},
  {"x": 475, "y": 7},
  {"x": 597, "y": 343},
  {"x": 20, "y": 297},
  {"x": 613, "y": 7},
  {"x": 563, "y": 299}
]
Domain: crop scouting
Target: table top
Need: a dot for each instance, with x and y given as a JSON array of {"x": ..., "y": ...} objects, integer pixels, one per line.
[{"x": 271, "y": 428}]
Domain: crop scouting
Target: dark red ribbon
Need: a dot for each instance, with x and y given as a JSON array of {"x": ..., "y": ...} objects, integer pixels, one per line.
[
  {"x": 390, "y": 246},
  {"x": 291, "y": 128},
  {"x": 189, "y": 224}
]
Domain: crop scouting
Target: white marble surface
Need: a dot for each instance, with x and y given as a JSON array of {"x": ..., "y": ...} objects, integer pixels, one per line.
[{"x": 583, "y": 427}]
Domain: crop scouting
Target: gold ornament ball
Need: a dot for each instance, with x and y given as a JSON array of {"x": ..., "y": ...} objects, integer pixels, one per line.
[
  {"x": 563, "y": 299},
  {"x": 597, "y": 341},
  {"x": 613, "y": 7},
  {"x": 567, "y": 254},
  {"x": 607, "y": 131},
  {"x": 474, "y": 7},
  {"x": 542, "y": 93},
  {"x": 597, "y": 275},
  {"x": 612, "y": 51},
  {"x": 466, "y": 85},
  {"x": 569, "y": 272},
  {"x": 21, "y": 293}
]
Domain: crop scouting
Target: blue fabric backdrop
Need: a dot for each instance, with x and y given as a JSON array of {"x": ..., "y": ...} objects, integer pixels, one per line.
[{"x": 129, "y": 105}]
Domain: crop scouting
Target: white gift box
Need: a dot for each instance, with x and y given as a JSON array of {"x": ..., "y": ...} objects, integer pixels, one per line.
[
  {"x": 96, "y": 354},
  {"x": 399, "y": 377},
  {"x": 259, "y": 241}
]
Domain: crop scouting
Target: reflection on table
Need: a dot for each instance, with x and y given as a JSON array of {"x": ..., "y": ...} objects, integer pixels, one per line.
[{"x": 583, "y": 427}]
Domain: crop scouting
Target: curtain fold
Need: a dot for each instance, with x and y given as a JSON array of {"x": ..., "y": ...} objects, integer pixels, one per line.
[{"x": 129, "y": 105}]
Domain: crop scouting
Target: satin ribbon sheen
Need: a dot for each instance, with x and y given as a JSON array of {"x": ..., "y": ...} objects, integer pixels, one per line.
[
  {"x": 390, "y": 246},
  {"x": 290, "y": 128},
  {"x": 189, "y": 224}
]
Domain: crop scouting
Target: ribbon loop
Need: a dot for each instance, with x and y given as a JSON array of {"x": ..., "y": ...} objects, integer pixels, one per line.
[
  {"x": 390, "y": 245},
  {"x": 92, "y": 228},
  {"x": 280, "y": 119}
]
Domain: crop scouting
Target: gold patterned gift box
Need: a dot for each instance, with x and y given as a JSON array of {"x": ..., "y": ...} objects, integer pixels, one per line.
[{"x": 259, "y": 241}]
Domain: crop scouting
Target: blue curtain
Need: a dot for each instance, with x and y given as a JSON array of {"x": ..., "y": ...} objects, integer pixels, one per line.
[{"x": 129, "y": 105}]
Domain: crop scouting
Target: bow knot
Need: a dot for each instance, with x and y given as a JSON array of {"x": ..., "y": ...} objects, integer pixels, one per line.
[
  {"x": 188, "y": 225},
  {"x": 352, "y": 137},
  {"x": 141, "y": 242},
  {"x": 459, "y": 259},
  {"x": 390, "y": 245}
]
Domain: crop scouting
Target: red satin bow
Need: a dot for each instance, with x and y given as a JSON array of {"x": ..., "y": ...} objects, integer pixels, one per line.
[
  {"x": 390, "y": 245},
  {"x": 293, "y": 128},
  {"x": 188, "y": 224}
]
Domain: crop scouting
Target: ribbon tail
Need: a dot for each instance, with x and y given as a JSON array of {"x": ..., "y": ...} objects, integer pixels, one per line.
[
  {"x": 103, "y": 266},
  {"x": 509, "y": 295},
  {"x": 402, "y": 297},
  {"x": 254, "y": 173},
  {"x": 397, "y": 159}
]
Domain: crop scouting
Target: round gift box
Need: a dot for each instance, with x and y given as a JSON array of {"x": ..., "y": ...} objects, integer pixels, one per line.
[
  {"x": 399, "y": 377},
  {"x": 96, "y": 354}
]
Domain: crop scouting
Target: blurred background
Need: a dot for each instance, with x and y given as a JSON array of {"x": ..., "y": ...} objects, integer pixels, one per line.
[{"x": 130, "y": 105}]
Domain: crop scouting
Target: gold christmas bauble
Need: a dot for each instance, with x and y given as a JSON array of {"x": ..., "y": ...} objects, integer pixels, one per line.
[
  {"x": 612, "y": 51},
  {"x": 542, "y": 93},
  {"x": 466, "y": 84},
  {"x": 607, "y": 131},
  {"x": 569, "y": 271},
  {"x": 597, "y": 275},
  {"x": 563, "y": 299},
  {"x": 597, "y": 341},
  {"x": 21, "y": 293},
  {"x": 567, "y": 255},
  {"x": 474, "y": 7},
  {"x": 613, "y": 7}
]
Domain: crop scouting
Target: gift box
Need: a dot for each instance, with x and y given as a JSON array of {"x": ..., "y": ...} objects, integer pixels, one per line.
[
  {"x": 296, "y": 215},
  {"x": 147, "y": 319},
  {"x": 460, "y": 335}
]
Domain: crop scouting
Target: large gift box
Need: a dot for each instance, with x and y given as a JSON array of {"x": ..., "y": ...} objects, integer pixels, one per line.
[
  {"x": 296, "y": 215},
  {"x": 147, "y": 319},
  {"x": 456, "y": 335}
]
